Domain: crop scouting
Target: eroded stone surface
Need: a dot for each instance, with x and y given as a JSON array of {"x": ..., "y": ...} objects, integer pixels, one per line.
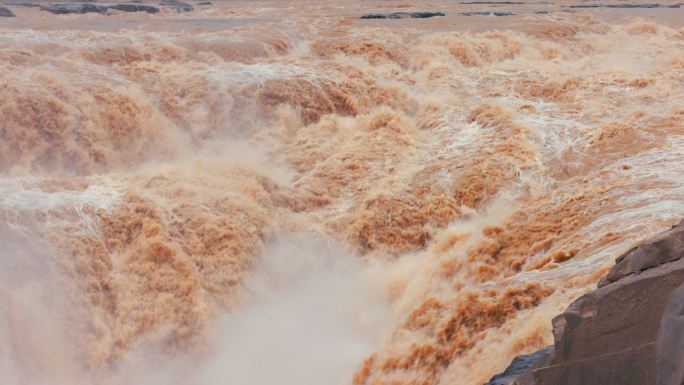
[
  {"x": 670, "y": 343},
  {"x": 664, "y": 248},
  {"x": 628, "y": 331}
]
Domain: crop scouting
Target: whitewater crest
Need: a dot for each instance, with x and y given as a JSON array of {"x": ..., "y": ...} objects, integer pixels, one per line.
[{"x": 316, "y": 198}]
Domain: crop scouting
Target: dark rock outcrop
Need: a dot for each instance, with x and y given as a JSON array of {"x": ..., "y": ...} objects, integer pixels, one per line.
[
  {"x": 27, "y": 5},
  {"x": 611, "y": 335},
  {"x": 519, "y": 365},
  {"x": 625, "y": 5},
  {"x": 5, "y": 12},
  {"x": 492, "y": 2},
  {"x": 486, "y": 13},
  {"x": 425, "y": 15},
  {"x": 63, "y": 9},
  {"x": 608, "y": 336},
  {"x": 134, "y": 8},
  {"x": 670, "y": 342},
  {"x": 177, "y": 5},
  {"x": 376, "y": 16},
  {"x": 402, "y": 15}
]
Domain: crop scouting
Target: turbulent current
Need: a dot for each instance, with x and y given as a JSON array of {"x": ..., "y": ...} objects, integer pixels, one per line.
[{"x": 260, "y": 193}]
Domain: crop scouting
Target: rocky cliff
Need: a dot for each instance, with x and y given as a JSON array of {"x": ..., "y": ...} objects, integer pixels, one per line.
[{"x": 629, "y": 331}]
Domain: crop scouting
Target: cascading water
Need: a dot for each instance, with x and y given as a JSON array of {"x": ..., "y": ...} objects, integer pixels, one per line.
[{"x": 272, "y": 194}]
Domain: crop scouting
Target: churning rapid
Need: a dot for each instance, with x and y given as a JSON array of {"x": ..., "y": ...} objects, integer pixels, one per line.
[{"x": 281, "y": 193}]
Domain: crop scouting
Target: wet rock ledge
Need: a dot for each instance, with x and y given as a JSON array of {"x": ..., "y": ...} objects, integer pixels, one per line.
[{"x": 629, "y": 331}]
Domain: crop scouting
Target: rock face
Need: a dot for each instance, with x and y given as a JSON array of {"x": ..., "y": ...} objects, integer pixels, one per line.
[
  {"x": 402, "y": 15},
  {"x": 670, "y": 343},
  {"x": 666, "y": 247},
  {"x": 623, "y": 333},
  {"x": 5, "y": 12},
  {"x": 63, "y": 9},
  {"x": 520, "y": 365},
  {"x": 134, "y": 8}
]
